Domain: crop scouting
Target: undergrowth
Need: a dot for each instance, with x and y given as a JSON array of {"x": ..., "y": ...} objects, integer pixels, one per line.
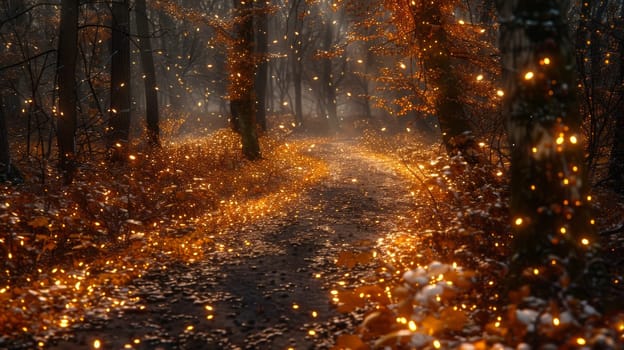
[
  {"x": 70, "y": 249},
  {"x": 442, "y": 280}
]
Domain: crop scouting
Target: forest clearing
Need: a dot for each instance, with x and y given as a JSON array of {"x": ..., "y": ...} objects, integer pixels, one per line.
[{"x": 312, "y": 174}]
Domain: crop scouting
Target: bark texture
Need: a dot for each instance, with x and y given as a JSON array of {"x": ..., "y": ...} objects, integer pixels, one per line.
[
  {"x": 242, "y": 69},
  {"x": 147, "y": 63},
  {"x": 549, "y": 191},
  {"x": 120, "y": 101}
]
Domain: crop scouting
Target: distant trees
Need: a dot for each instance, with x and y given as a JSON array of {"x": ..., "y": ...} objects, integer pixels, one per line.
[
  {"x": 553, "y": 231},
  {"x": 262, "y": 70}
]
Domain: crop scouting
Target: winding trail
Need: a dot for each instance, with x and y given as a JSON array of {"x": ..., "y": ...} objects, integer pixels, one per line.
[{"x": 272, "y": 289}]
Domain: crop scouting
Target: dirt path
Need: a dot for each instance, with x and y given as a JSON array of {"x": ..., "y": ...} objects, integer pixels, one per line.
[{"x": 272, "y": 290}]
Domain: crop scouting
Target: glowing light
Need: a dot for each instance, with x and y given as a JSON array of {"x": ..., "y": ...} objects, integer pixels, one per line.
[
  {"x": 312, "y": 332},
  {"x": 412, "y": 326},
  {"x": 402, "y": 65},
  {"x": 556, "y": 321},
  {"x": 560, "y": 139},
  {"x": 585, "y": 241},
  {"x": 518, "y": 221},
  {"x": 500, "y": 93},
  {"x": 581, "y": 341},
  {"x": 528, "y": 75},
  {"x": 535, "y": 272},
  {"x": 573, "y": 140},
  {"x": 437, "y": 344},
  {"x": 479, "y": 77},
  {"x": 563, "y": 230},
  {"x": 97, "y": 344},
  {"x": 546, "y": 61}
]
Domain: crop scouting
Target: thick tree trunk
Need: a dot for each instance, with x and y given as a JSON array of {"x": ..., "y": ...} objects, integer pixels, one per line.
[
  {"x": 456, "y": 130},
  {"x": 549, "y": 189},
  {"x": 66, "y": 70},
  {"x": 262, "y": 48},
  {"x": 147, "y": 63},
  {"x": 120, "y": 101},
  {"x": 242, "y": 68}
]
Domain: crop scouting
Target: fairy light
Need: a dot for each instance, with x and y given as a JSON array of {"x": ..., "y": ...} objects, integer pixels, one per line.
[
  {"x": 581, "y": 341},
  {"x": 528, "y": 75}
]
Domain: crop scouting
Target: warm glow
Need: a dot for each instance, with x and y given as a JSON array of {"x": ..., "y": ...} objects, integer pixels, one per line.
[{"x": 528, "y": 75}]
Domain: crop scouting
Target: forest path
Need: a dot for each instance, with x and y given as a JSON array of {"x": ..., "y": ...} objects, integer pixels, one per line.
[{"x": 269, "y": 287}]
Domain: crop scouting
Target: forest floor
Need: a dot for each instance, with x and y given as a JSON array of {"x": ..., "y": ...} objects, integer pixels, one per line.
[
  {"x": 271, "y": 287},
  {"x": 327, "y": 268}
]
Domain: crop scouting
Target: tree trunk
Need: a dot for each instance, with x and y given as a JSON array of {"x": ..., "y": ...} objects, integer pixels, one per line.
[
  {"x": 454, "y": 123},
  {"x": 66, "y": 70},
  {"x": 8, "y": 171},
  {"x": 328, "y": 89},
  {"x": 297, "y": 82},
  {"x": 262, "y": 47},
  {"x": 147, "y": 62},
  {"x": 120, "y": 101},
  {"x": 242, "y": 68},
  {"x": 549, "y": 190}
]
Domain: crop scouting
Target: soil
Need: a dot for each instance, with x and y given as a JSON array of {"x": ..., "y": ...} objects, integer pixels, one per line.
[{"x": 272, "y": 290}]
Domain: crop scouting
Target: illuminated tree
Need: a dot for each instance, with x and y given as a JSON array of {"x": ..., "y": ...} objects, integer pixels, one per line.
[
  {"x": 553, "y": 230},
  {"x": 120, "y": 100},
  {"x": 66, "y": 67},
  {"x": 147, "y": 63},
  {"x": 8, "y": 171},
  {"x": 241, "y": 84},
  {"x": 437, "y": 61}
]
